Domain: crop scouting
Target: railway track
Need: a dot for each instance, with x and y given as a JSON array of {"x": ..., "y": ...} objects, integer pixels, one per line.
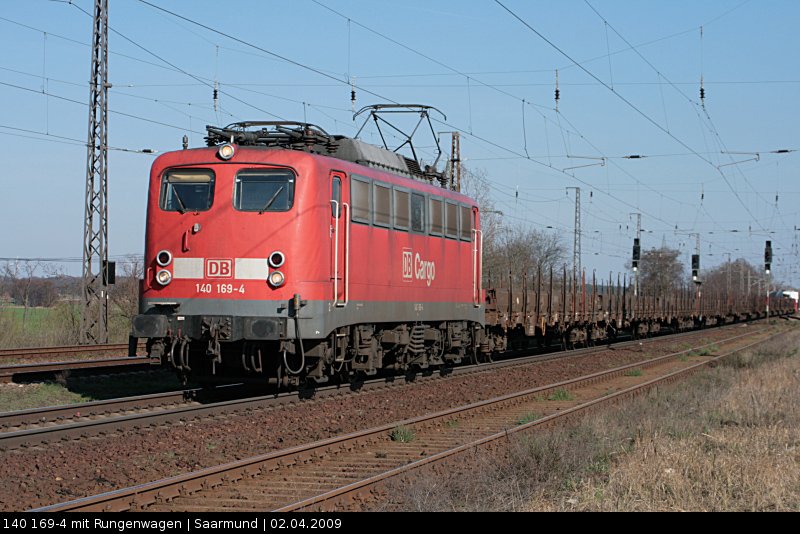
[
  {"x": 45, "y": 362},
  {"x": 38, "y": 426},
  {"x": 345, "y": 471},
  {"x": 44, "y": 370},
  {"x": 48, "y": 352}
]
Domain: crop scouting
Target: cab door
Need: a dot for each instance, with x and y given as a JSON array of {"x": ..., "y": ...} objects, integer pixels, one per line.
[
  {"x": 340, "y": 238},
  {"x": 477, "y": 259}
]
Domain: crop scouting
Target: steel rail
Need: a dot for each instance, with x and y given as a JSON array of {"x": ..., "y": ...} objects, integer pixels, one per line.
[
  {"x": 41, "y": 352},
  {"x": 143, "y": 495},
  {"x": 358, "y": 491},
  {"x": 82, "y": 420},
  {"x": 10, "y": 373}
]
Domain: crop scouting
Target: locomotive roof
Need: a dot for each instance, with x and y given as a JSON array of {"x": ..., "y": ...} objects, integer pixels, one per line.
[{"x": 311, "y": 138}]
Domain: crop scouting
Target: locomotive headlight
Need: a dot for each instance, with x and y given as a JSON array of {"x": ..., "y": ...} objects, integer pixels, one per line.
[
  {"x": 226, "y": 151},
  {"x": 276, "y": 259},
  {"x": 164, "y": 258},
  {"x": 163, "y": 277},
  {"x": 276, "y": 279}
]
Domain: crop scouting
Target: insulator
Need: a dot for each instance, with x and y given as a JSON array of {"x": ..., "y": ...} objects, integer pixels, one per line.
[
  {"x": 702, "y": 93},
  {"x": 558, "y": 94}
]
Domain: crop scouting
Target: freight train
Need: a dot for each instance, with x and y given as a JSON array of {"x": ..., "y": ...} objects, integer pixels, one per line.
[{"x": 282, "y": 254}]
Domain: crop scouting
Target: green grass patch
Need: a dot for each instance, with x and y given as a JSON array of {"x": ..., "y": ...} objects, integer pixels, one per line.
[
  {"x": 24, "y": 396},
  {"x": 32, "y": 318},
  {"x": 54, "y": 326},
  {"x": 452, "y": 423},
  {"x": 402, "y": 434},
  {"x": 527, "y": 418},
  {"x": 86, "y": 389},
  {"x": 705, "y": 351},
  {"x": 561, "y": 394},
  {"x": 634, "y": 372}
]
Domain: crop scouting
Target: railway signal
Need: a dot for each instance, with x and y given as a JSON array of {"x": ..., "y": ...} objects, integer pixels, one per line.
[
  {"x": 637, "y": 249},
  {"x": 768, "y": 257},
  {"x": 696, "y": 268}
]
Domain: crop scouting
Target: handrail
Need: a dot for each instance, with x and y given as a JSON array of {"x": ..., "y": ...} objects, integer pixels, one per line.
[
  {"x": 477, "y": 255},
  {"x": 335, "y": 205},
  {"x": 346, "y": 255}
]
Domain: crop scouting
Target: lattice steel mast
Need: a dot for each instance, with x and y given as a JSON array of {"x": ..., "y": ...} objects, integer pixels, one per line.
[
  {"x": 576, "y": 242},
  {"x": 94, "y": 321},
  {"x": 455, "y": 158}
]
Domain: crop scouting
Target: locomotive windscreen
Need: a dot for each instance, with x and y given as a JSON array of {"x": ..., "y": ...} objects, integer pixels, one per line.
[
  {"x": 264, "y": 190},
  {"x": 187, "y": 190}
]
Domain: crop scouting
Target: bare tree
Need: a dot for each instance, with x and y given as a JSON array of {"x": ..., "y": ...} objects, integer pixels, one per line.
[
  {"x": 124, "y": 294},
  {"x": 660, "y": 270},
  {"x": 475, "y": 184},
  {"x": 19, "y": 277},
  {"x": 522, "y": 251},
  {"x": 734, "y": 277},
  {"x": 509, "y": 250}
]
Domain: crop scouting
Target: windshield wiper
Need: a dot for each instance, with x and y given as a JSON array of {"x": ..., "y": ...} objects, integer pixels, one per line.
[
  {"x": 181, "y": 205},
  {"x": 271, "y": 200}
]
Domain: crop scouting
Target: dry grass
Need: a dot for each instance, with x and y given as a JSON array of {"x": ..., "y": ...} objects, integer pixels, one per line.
[
  {"x": 745, "y": 458},
  {"x": 727, "y": 439}
]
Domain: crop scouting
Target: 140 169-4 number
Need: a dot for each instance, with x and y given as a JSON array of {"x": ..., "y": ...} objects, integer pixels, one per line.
[
  {"x": 47, "y": 523},
  {"x": 222, "y": 289}
]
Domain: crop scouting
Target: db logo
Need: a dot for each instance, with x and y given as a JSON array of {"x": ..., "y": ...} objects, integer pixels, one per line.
[
  {"x": 408, "y": 264},
  {"x": 219, "y": 269}
]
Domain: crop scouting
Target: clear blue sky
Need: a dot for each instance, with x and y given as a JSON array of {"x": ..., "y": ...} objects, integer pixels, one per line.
[{"x": 471, "y": 59}]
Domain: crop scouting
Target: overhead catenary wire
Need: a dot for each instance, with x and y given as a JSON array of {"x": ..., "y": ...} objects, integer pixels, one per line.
[
  {"x": 197, "y": 78},
  {"x": 335, "y": 78},
  {"x": 702, "y": 94},
  {"x": 78, "y": 102},
  {"x": 525, "y": 155},
  {"x": 626, "y": 101}
]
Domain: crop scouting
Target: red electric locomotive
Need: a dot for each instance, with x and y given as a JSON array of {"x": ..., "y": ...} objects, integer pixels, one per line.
[{"x": 282, "y": 253}]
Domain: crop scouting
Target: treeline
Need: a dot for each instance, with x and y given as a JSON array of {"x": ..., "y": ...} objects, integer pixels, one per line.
[
  {"x": 34, "y": 284},
  {"x": 40, "y": 306}
]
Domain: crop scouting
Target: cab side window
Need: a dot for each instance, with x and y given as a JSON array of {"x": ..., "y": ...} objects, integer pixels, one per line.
[
  {"x": 361, "y": 200},
  {"x": 383, "y": 203},
  {"x": 417, "y": 213},
  {"x": 336, "y": 194},
  {"x": 401, "y": 209},
  {"x": 466, "y": 223}
]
